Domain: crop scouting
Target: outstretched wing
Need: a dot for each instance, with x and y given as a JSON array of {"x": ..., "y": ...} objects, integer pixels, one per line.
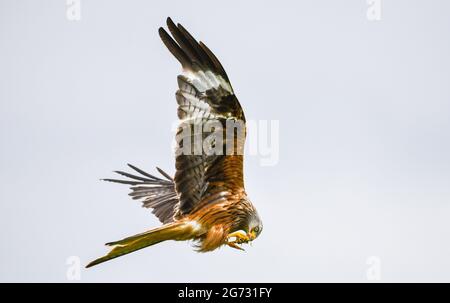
[
  {"x": 206, "y": 107},
  {"x": 155, "y": 193}
]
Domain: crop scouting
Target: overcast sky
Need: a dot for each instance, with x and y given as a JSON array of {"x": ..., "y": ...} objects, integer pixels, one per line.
[{"x": 361, "y": 188}]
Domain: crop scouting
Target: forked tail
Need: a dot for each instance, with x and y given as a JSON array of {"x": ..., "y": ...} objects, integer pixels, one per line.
[{"x": 172, "y": 231}]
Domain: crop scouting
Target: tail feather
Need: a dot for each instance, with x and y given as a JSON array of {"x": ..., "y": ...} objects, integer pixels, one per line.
[{"x": 173, "y": 231}]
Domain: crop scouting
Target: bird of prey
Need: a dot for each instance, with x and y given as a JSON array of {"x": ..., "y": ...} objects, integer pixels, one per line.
[{"x": 205, "y": 201}]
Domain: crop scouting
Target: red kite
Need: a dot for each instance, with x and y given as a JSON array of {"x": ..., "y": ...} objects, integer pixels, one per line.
[{"x": 205, "y": 201}]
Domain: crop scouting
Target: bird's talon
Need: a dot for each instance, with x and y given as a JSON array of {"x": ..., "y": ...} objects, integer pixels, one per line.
[
  {"x": 240, "y": 237},
  {"x": 234, "y": 245}
]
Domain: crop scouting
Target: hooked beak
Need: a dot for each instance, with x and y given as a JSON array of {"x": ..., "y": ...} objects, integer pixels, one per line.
[{"x": 251, "y": 235}]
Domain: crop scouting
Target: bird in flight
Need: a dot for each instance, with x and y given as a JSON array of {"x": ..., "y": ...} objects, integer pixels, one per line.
[{"x": 205, "y": 201}]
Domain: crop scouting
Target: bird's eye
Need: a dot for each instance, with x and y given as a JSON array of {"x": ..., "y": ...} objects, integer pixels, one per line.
[{"x": 256, "y": 229}]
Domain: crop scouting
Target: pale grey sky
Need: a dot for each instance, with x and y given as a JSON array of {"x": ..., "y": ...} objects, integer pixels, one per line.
[{"x": 363, "y": 108}]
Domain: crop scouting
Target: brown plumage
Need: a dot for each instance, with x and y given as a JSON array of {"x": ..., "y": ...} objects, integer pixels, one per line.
[{"x": 205, "y": 201}]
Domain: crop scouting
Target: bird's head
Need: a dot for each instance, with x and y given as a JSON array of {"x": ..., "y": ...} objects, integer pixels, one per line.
[
  {"x": 254, "y": 228},
  {"x": 248, "y": 231}
]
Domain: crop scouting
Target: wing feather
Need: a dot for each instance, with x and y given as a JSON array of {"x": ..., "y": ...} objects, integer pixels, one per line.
[
  {"x": 204, "y": 94},
  {"x": 155, "y": 193}
]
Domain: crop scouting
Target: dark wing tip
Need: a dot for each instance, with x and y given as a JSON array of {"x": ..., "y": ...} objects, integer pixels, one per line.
[
  {"x": 169, "y": 22},
  {"x": 143, "y": 172},
  {"x": 164, "y": 174},
  {"x": 162, "y": 32},
  {"x": 174, "y": 48},
  {"x": 188, "y": 51}
]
